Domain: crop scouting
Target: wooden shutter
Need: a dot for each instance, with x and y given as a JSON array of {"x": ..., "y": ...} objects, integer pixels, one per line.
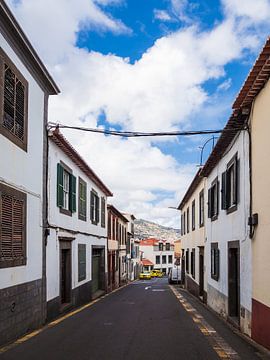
[
  {"x": 224, "y": 203},
  {"x": 97, "y": 209},
  {"x": 209, "y": 203},
  {"x": 13, "y": 227},
  {"x": 92, "y": 206},
  {"x": 60, "y": 185},
  {"x": 236, "y": 181},
  {"x": 217, "y": 263},
  {"x": 103, "y": 217},
  {"x": 217, "y": 194},
  {"x": 81, "y": 262},
  {"x": 72, "y": 193},
  {"x": 82, "y": 193}
]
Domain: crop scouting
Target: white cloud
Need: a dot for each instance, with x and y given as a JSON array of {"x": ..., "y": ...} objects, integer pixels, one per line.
[
  {"x": 256, "y": 11},
  {"x": 162, "y": 15},
  {"x": 161, "y": 91}
]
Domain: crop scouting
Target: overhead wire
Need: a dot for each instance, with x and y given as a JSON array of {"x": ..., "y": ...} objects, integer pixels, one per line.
[{"x": 130, "y": 134}]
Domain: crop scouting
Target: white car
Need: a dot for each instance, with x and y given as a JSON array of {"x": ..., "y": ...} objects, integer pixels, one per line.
[{"x": 175, "y": 275}]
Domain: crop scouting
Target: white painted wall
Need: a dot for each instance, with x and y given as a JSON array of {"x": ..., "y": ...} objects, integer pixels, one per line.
[
  {"x": 150, "y": 253},
  {"x": 23, "y": 171},
  {"x": 232, "y": 227},
  {"x": 94, "y": 234}
]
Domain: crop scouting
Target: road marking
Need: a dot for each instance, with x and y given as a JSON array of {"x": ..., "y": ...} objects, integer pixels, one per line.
[
  {"x": 158, "y": 290},
  {"x": 220, "y": 346},
  {"x": 55, "y": 322}
]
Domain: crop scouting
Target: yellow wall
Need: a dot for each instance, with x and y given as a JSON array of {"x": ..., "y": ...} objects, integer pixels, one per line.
[{"x": 260, "y": 130}]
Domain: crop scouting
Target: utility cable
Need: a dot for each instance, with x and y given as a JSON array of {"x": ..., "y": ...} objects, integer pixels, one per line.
[{"x": 129, "y": 134}]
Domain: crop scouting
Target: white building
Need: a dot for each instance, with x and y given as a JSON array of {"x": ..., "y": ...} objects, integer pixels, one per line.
[
  {"x": 77, "y": 219},
  {"x": 25, "y": 86},
  {"x": 158, "y": 252},
  {"x": 215, "y": 237},
  {"x": 133, "y": 253},
  {"x": 228, "y": 246}
]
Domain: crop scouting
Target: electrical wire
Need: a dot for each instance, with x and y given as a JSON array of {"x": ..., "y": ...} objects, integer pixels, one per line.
[{"x": 129, "y": 134}]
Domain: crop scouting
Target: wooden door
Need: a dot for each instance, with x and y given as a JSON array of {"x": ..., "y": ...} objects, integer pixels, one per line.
[
  {"x": 65, "y": 276},
  {"x": 96, "y": 262},
  {"x": 233, "y": 282}
]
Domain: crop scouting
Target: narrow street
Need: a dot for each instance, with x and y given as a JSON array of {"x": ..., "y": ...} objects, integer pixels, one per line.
[{"x": 145, "y": 320}]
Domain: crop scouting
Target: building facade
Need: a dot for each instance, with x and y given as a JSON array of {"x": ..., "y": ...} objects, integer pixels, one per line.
[
  {"x": 193, "y": 239},
  {"x": 160, "y": 253},
  {"x": 254, "y": 99},
  {"x": 77, "y": 222},
  {"x": 117, "y": 228},
  {"x": 24, "y": 91}
]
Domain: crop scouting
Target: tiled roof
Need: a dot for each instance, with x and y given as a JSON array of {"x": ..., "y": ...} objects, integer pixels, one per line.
[
  {"x": 146, "y": 262},
  {"x": 69, "y": 150},
  {"x": 151, "y": 242},
  {"x": 256, "y": 79},
  {"x": 117, "y": 212}
]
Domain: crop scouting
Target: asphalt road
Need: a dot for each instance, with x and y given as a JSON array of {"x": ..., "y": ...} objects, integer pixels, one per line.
[{"x": 144, "y": 320}]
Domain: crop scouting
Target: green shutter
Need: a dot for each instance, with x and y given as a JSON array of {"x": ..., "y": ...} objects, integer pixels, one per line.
[
  {"x": 60, "y": 185},
  {"x": 224, "y": 202},
  {"x": 209, "y": 203},
  {"x": 72, "y": 193},
  {"x": 97, "y": 209},
  {"x": 81, "y": 262},
  {"x": 103, "y": 212},
  {"x": 92, "y": 205}
]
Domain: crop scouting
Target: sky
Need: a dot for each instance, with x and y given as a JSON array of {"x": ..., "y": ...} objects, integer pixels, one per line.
[{"x": 145, "y": 65}]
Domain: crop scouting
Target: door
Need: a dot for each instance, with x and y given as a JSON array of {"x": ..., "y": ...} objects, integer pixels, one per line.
[
  {"x": 96, "y": 262},
  {"x": 201, "y": 272},
  {"x": 65, "y": 276},
  {"x": 234, "y": 281}
]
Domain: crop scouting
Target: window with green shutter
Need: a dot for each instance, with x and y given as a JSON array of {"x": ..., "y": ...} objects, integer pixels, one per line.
[
  {"x": 66, "y": 190},
  {"x": 94, "y": 207},
  {"x": 81, "y": 262},
  {"x": 103, "y": 215},
  {"x": 82, "y": 200}
]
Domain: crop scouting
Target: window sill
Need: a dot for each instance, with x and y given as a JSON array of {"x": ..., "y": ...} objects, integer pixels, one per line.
[
  {"x": 201, "y": 225},
  {"x": 232, "y": 209},
  {"x": 81, "y": 217},
  {"x": 65, "y": 211},
  {"x": 12, "y": 263},
  {"x": 215, "y": 277},
  {"x": 214, "y": 218}
]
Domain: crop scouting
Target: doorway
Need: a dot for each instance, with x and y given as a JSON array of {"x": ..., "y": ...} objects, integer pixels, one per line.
[
  {"x": 65, "y": 272},
  {"x": 201, "y": 272},
  {"x": 98, "y": 269},
  {"x": 234, "y": 280}
]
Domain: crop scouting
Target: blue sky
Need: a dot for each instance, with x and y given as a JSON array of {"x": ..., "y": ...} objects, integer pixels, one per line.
[{"x": 145, "y": 65}]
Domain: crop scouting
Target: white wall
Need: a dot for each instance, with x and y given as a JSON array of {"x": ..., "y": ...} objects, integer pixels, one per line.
[
  {"x": 232, "y": 227},
  {"x": 23, "y": 171},
  {"x": 73, "y": 223},
  {"x": 150, "y": 254}
]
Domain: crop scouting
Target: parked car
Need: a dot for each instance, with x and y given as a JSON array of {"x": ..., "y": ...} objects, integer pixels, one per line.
[
  {"x": 174, "y": 276},
  {"x": 156, "y": 273},
  {"x": 146, "y": 275}
]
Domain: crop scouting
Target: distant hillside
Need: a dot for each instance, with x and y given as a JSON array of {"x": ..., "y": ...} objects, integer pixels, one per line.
[{"x": 145, "y": 229}]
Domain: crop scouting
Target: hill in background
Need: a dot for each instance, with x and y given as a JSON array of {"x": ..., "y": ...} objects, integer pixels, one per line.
[{"x": 146, "y": 229}]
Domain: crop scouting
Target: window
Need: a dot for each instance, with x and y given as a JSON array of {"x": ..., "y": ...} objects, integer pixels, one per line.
[
  {"x": 157, "y": 259},
  {"x": 201, "y": 209},
  {"x": 168, "y": 246},
  {"x": 14, "y": 103},
  {"x": 170, "y": 259},
  {"x": 94, "y": 207},
  {"x": 187, "y": 220},
  {"x": 187, "y": 261},
  {"x": 12, "y": 228},
  {"x": 164, "y": 259},
  {"x": 82, "y": 200},
  {"x": 213, "y": 200},
  {"x": 229, "y": 190},
  {"x": 81, "y": 262},
  {"x": 160, "y": 246},
  {"x": 214, "y": 261},
  {"x": 192, "y": 262},
  {"x": 66, "y": 190},
  {"x": 103, "y": 213},
  {"x": 193, "y": 215},
  {"x": 182, "y": 225}
]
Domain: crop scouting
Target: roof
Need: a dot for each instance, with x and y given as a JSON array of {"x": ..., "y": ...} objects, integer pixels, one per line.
[
  {"x": 131, "y": 215},
  {"x": 192, "y": 187},
  {"x": 11, "y": 29},
  {"x": 68, "y": 149},
  {"x": 257, "y": 78},
  {"x": 151, "y": 242},
  {"x": 147, "y": 262},
  {"x": 117, "y": 212}
]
